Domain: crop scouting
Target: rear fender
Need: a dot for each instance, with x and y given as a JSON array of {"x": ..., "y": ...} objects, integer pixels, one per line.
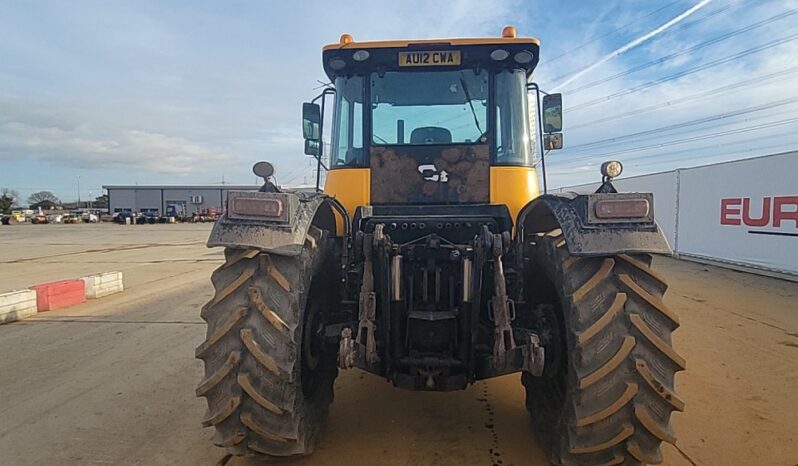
[
  {"x": 584, "y": 234},
  {"x": 282, "y": 233}
]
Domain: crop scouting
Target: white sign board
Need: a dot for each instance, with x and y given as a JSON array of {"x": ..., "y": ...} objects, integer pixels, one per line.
[{"x": 744, "y": 212}]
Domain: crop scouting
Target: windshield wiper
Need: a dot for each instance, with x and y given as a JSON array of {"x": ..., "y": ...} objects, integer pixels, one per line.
[{"x": 470, "y": 104}]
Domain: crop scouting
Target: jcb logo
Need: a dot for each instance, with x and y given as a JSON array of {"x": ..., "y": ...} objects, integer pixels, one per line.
[
  {"x": 774, "y": 211},
  {"x": 430, "y": 173}
]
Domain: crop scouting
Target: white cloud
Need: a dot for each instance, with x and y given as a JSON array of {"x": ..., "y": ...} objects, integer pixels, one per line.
[
  {"x": 635, "y": 43},
  {"x": 81, "y": 148}
]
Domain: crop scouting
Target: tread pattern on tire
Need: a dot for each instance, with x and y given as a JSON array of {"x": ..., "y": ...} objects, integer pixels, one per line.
[
  {"x": 252, "y": 353},
  {"x": 617, "y": 389}
]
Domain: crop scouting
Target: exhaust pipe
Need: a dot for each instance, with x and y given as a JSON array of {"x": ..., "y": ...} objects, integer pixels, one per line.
[
  {"x": 466, "y": 280},
  {"x": 396, "y": 278}
]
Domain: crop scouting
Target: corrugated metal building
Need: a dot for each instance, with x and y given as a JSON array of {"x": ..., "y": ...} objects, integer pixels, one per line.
[{"x": 170, "y": 200}]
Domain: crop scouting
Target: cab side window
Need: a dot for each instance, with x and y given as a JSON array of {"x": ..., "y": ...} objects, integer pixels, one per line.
[
  {"x": 513, "y": 140},
  {"x": 347, "y": 136}
]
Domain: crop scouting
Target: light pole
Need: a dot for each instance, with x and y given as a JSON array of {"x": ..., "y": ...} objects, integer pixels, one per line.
[{"x": 78, "y": 191}]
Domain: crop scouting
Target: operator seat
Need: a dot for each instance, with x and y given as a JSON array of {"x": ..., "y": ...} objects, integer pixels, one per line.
[{"x": 431, "y": 135}]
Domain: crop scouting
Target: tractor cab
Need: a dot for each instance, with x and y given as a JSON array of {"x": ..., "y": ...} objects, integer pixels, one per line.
[{"x": 430, "y": 122}]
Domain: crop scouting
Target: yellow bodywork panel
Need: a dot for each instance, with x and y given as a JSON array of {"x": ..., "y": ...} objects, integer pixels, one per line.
[
  {"x": 351, "y": 187},
  {"x": 513, "y": 187}
]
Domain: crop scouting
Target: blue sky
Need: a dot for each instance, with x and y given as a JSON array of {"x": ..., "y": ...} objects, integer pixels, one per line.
[{"x": 193, "y": 92}]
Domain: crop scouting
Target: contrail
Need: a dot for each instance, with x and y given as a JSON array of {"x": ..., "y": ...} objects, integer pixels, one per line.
[{"x": 635, "y": 43}]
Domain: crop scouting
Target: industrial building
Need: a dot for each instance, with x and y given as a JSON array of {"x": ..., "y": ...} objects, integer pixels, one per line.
[{"x": 174, "y": 200}]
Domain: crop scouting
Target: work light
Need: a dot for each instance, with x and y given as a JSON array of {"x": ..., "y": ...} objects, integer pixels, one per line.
[
  {"x": 611, "y": 169},
  {"x": 499, "y": 54},
  {"x": 361, "y": 55},
  {"x": 524, "y": 57}
]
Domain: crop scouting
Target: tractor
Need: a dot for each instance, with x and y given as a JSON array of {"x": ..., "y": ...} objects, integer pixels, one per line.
[{"x": 431, "y": 258}]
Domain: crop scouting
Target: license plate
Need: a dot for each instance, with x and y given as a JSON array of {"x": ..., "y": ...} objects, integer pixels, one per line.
[{"x": 436, "y": 58}]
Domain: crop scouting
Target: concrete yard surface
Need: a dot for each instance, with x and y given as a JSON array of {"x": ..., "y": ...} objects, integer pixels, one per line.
[
  {"x": 112, "y": 381},
  {"x": 145, "y": 254}
]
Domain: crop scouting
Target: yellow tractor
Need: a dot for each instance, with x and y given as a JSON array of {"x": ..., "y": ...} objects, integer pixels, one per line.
[{"x": 430, "y": 258}]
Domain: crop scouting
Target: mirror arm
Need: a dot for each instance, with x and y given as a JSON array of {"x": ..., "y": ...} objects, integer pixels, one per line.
[
  {"x": 319, "y": 163},
  {"x": 324, "y": 93}
]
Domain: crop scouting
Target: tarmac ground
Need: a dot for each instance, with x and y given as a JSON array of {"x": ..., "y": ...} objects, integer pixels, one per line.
[{"x": 112, "y": 381}]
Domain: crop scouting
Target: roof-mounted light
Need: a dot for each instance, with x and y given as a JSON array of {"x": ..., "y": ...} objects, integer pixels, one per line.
[
  {"x": 508, "y": 32},
  {"x": 361, "y": 55},
  {"x": 346, "y": 39},
  {"x": 523, "y": 57},
  {"x": 499, "y": 54},
  {"x": 337, "y": 64}
]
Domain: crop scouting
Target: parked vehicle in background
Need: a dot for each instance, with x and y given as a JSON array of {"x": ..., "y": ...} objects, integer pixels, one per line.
[
  {"x": 122, "y": 217},
  {"x": 71, "y": 218},
  {"x": 55, "y": 218},
  {"x": 39, "y": 218},
  {"x": 89, "y": 217},
  {"x": 206, "y": 215},
  {"x": 147, "y": 217},
  {"x": 19, "y": 215}
]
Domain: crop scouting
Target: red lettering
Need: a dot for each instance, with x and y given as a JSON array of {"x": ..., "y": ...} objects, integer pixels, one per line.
[
  {"x": 763, "y": 220},
  {"x": 726, "y": 211},
  {"x": 779, "y": 214}
]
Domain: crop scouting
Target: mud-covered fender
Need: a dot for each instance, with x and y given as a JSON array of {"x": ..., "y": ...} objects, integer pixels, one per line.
[
  {"x": 586, "y": 236},
  {"x": 283, "y": 231}
]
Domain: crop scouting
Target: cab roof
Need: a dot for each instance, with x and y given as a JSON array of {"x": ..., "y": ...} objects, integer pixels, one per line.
[
  {"x": 348, "y": 57},
  {"x": 350, "y": 44}
]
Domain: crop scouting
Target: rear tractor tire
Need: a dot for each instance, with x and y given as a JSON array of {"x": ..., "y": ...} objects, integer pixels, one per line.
[
  {"x": 268, "y": 376},
  {"x": 607, "y": 393}
]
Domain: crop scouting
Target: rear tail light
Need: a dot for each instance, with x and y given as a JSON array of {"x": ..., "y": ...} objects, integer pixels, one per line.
[
  {"x": 621, "y": 208},
  {"x": 257, "y": 207}
]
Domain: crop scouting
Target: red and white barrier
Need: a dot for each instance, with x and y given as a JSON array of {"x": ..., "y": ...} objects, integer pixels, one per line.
[
  {"x": 16, "y": 305},
  {"x": 104, "y": 284},
  {"x": 58, "y": 295}
]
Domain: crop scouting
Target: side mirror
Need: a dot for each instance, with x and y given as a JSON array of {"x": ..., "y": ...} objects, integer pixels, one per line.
[
  {"x": 552, "y": 113},
  {"x": 312, "y": 147},
  {"x": 552, "y": 141},
  {"x": 311, "y": 122}
]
